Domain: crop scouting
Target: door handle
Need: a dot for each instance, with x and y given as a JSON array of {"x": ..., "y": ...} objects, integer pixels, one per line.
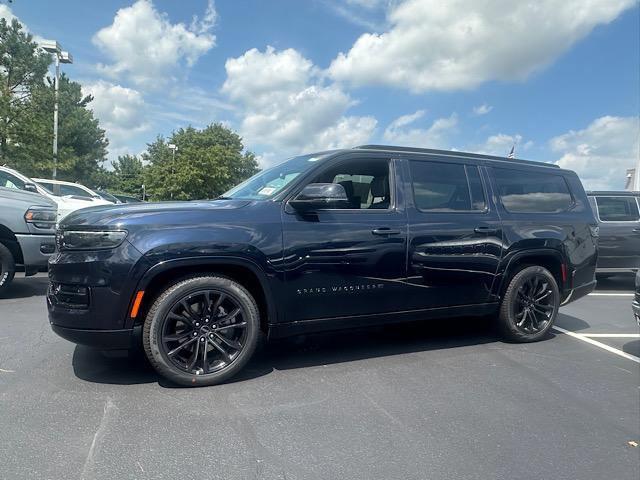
[
  {"x": 385, "y": 231},
  {"x": 636, "y": 230},
  {"x": 486, "y": 230}
]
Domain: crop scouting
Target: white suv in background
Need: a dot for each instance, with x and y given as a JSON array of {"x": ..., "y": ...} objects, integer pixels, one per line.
[{"x": 69, "y": 198}]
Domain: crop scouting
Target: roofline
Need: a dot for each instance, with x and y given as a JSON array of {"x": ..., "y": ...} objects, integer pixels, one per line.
[{"x": 454, "y": 153}]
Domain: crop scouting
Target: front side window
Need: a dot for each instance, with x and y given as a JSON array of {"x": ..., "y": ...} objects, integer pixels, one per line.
[
  {"x": 72, "y": 190},
  {"x": 447, "y": 187},
  {"x": 531, "y": 192},
  {"x": 617, "y": 209},
  {"x": 366, "y": 182},
  {"x": 9, "y": 181}
]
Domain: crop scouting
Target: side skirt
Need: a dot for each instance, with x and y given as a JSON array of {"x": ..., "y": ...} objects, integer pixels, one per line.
[{"x": 280, "y": 330}]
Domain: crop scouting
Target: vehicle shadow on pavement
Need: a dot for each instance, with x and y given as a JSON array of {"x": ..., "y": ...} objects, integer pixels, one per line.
[
  {"x": 569, "y": 322},
  {"x": 304, "y": 351},
  {"x": 27, "y": 287},
  {"x": 620, "y": 282}
]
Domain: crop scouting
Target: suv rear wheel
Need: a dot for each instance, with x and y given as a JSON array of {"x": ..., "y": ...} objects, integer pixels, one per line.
[
  {"x": 530, "y": 305},
  {"x": 202, "y": 330},
  {"x": 7, "y": 267}
]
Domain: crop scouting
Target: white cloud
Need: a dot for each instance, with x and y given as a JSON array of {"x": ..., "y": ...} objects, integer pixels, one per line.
[
  {"x": 482, "y": 109},
  {"x": 501, "y": 143},
  {"x": 121, "y": 111},
  {"x": 287, "y": 107},
  {"x": 459, "y": 44},
  {"x": 6, "y": 13},
  {"x": 602, "y": 152},
  {"x": 434, "y": 136},
  {"x": 144, "y": 45}
]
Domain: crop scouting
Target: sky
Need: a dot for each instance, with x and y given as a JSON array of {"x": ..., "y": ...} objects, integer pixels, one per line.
[{"x": 557, "y": 79}]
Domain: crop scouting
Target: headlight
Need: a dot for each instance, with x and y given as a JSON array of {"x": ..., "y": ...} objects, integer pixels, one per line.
[
  {"x": 89, "y": 239},
  {"x": 41, "y": 217}
]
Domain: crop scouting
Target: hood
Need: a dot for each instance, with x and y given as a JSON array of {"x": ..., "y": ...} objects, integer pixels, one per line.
[
  {"x": 124, "y": 213},
  {"x": 27, "y": 197}
]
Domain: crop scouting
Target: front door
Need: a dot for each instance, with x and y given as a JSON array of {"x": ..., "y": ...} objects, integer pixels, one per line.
[
  {"x": 455, "y": 235},
  {"x": 350, "y": 261}
]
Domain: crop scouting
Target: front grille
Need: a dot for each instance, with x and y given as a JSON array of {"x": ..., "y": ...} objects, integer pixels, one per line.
[{"x": 69, "y": 296}]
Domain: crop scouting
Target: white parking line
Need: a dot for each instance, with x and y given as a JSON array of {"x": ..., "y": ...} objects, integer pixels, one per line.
[
  {"x": 584, "y": 338},
  {"x": 611, "y": 335},
  {"x": 607, "y": 294}
]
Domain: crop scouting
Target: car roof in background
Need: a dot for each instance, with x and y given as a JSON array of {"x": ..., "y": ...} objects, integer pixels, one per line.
[{"x": 618, "y": 193}]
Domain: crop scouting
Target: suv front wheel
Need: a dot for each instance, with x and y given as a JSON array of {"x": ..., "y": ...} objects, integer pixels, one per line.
[
  {"x": 202, "y": 330},
  {"x": 7, "y": 267},
  {"x": 530, "y": 305}
]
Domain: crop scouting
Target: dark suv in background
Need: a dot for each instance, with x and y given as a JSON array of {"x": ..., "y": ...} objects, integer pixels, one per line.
[
  {"x": 618, "y": 215},
  {"x": 330, "y": 240}
]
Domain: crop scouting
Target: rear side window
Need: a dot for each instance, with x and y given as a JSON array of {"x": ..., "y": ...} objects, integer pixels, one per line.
[
  {"x": 447, "y": 187},
  {"x": 617, "y": 209},
  {"x": 531, "y": 192}
]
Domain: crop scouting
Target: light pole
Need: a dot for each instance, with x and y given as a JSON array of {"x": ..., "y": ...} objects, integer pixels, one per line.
[
  {"x": 60, "y": 56},
  {"x": 173, "y": 147}
]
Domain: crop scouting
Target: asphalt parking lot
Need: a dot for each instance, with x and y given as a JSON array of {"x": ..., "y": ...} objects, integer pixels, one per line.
[{"x": 434, "y": 401}]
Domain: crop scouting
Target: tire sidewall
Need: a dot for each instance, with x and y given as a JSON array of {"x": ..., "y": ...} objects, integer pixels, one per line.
[
  {"x": 7, "y": 267},
  {"x": 507, "y": 310},
  {"x": 154, "y": 323}
]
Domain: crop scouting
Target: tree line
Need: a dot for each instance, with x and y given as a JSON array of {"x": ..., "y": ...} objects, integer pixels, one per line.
[{"x": 207, "y": 161}]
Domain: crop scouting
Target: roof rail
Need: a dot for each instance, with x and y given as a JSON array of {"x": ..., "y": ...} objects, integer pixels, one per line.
[{"x": 453, "y": 153}]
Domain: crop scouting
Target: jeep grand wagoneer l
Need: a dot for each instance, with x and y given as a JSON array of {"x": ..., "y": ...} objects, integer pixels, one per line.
[{"x": 329, "y": 240}]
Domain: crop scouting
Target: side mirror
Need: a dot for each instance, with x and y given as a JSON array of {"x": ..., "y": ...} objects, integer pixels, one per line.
[
  {"x": 30, "y": 187},
  {"x": 318, "y": 196}
]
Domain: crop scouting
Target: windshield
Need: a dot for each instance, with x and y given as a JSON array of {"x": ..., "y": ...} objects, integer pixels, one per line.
[{"x": 269, "y": 182}]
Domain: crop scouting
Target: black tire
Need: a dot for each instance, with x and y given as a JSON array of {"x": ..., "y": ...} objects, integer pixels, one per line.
[
  {"x": 529, "y": 306},
  {"x": 174, "y": 330},
  {"x": 7, "y": 267}
]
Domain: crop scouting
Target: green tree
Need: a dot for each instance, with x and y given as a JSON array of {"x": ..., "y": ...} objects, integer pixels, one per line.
[
  {"x": 207, "y": 163},
  {"x": 22, "y": 68},
  {"x": 128, "y": 175},
  {"x": 82, "y": 144}
]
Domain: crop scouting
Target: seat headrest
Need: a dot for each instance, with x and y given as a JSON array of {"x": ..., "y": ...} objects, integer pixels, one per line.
[
  {"x": 379, "y": 187},
  {"x": 348, "y": 187}
]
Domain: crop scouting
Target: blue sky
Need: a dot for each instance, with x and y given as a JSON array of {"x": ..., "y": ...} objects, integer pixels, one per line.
[{"x": 560, "y": 79}]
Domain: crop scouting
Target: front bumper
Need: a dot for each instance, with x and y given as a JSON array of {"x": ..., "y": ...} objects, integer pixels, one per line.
[
  {"x": 90, "y": 293},
  {"x": 36, "y": 249},
  {"x": 123, "y": 339}
]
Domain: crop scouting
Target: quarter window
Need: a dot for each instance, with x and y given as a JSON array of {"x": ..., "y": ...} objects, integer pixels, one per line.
[
  {"x": 617, "y": 209},
  {"x": 530, "y": 192},
  {"x": 447, "y": 187}
]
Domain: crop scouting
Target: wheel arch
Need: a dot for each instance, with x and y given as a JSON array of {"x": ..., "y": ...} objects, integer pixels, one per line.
[
  {"x": 549, "y": 258},
  {"x": 244, "y": 271},
  {"x": 9, "y": 240}
]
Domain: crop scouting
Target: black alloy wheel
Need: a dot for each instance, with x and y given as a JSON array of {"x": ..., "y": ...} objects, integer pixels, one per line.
[
  {"x": 201, "y": 331},
  {"x": 204, "y": 332},
  {"x": 530, "y": 305}
]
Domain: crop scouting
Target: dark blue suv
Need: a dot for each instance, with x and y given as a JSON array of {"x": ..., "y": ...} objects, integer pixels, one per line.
[{"x": 330, "y": 240}]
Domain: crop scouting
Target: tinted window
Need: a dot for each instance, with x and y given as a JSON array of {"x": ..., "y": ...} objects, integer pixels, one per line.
[
  {"x": 617, "y": 209},
  {"x": 366, "y": 182},
  {"x": 529, "y": 192},
  {"x": 447, "y": 187}
]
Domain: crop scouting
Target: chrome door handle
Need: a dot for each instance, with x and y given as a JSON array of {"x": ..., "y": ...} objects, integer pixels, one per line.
[{"x": 385, "y": 231}]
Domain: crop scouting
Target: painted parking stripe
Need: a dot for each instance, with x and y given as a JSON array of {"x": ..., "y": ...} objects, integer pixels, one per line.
[
  {"x": 607, "y": 294},
  {"x": 611, "y": 335},
  {"x": 584, "y": 338}
]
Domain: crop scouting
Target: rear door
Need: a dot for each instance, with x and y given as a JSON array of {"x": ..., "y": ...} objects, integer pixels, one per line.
[
  {"x": 455, "y": 235},
  {"x": 619, "y": 242}
]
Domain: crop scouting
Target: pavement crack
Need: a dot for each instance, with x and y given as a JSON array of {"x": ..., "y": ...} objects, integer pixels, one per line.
[{"x": 110, "y": 411}]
